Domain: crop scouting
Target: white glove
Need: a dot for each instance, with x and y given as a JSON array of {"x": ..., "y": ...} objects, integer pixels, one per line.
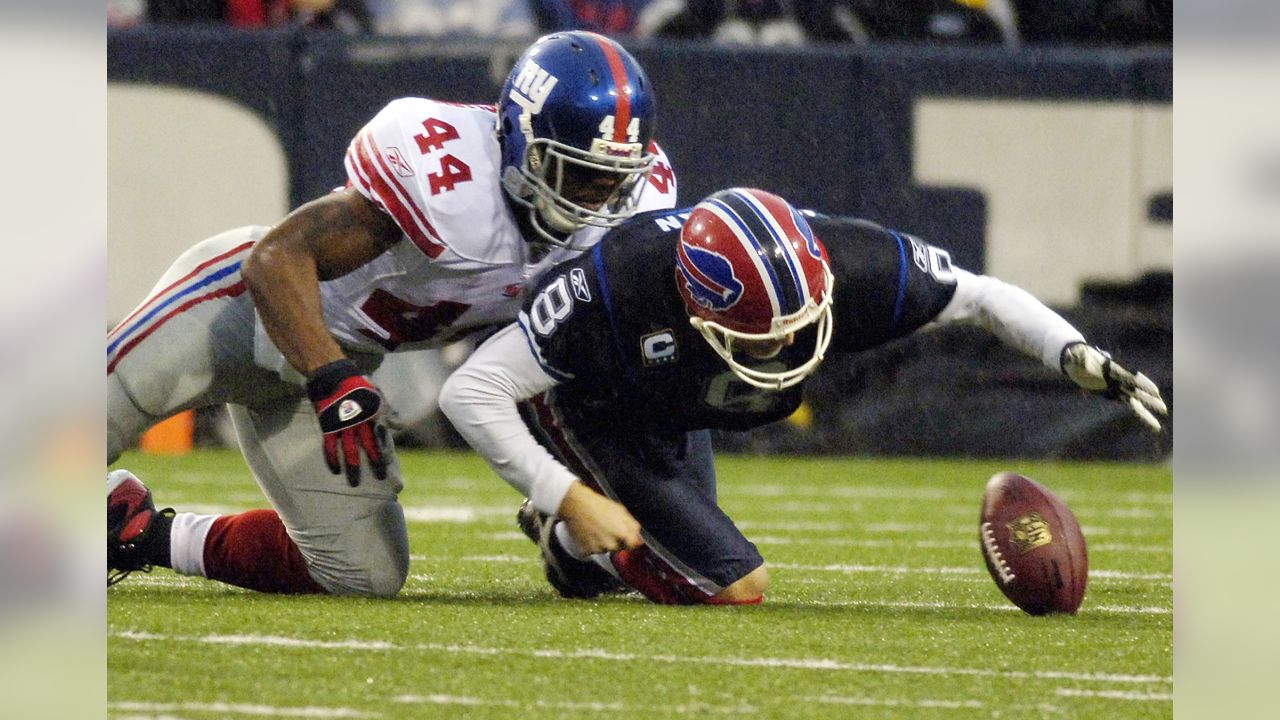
[{"x": 1094, "y": 370}]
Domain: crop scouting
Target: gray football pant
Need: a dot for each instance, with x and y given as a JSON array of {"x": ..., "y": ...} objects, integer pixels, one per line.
[{"x": 191, "y": 345}]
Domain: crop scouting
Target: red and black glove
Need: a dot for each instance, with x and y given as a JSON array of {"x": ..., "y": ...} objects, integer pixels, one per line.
[{"x": 348, "y": 406}]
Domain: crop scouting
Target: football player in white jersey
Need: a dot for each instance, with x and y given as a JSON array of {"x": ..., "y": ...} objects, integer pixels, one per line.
[{"x": 449, "y": 212}]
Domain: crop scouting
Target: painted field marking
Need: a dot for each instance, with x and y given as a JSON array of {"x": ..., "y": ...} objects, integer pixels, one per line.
[
  {"x": 890, "y": 492},
  {"x": 939, "y": 605},
  {"x": 223, "y": 708},
  {"x": 516, "y": 536},
  {"x": 455, "y": 514},
  {"x": 599, "y": 654},
  {"x": 904, "y": 570},
  {"x": 891, "y": 702},
  {"x": 1115, "y": 695},
  {"x": 466, "y": 701}
]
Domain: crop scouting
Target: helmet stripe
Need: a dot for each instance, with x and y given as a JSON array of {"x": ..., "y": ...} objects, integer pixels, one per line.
[
  {"x": 788, "y": 254},
  {"x": 745, "y": 237},
  {"x": 764, "y": 237},
  {"x": 622, "y": 88}
]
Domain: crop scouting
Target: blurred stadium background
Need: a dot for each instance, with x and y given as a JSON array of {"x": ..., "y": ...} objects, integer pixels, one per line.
[{"x": 1048, "y": 165}]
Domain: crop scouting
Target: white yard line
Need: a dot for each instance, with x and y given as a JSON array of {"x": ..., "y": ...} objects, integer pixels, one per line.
[
  {"x": 939, "y": 605},
  {"x": 892, "y": 702},
  {"x": 658, "y": 711},
  {"x": 223, "y": 708},
  {"x": 599, "y": 654},
  {"x": 892, "y": 492},
  {"x": 1115, "y": 695},
  {"x": 904, "y": 570},
  {"x": 456, "y": 514}
]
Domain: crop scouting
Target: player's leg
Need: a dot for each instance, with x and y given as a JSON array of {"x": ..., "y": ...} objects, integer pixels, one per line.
[
  {"x": 354, "y": 539},
  {"x": 693, "y": 553},
  {"x": 191, "y": 344},
  {"x": 188, "y": 344}
]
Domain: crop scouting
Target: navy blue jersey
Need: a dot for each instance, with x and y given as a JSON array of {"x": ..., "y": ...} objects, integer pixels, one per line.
[{"x": 611, "y": 326}]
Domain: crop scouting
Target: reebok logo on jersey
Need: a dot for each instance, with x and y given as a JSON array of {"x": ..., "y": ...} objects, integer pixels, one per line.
[
  {"x": 578, "y": 280},
  {"x": 398, "y": 162},
  {"x": 348, "y": 409}
]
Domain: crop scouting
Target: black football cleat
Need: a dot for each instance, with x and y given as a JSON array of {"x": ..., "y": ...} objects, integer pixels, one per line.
[
  {"x": 131, "y": 516},
  {"x": 572, "y": 578}
]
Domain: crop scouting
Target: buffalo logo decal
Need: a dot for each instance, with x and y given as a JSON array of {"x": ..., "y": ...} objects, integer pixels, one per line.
[{"x": 709, "y": 278}]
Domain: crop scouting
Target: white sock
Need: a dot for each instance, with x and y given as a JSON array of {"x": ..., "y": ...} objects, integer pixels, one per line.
[
  {"x": 575, "y": 551},
  {"x": 186, "y": 542}
]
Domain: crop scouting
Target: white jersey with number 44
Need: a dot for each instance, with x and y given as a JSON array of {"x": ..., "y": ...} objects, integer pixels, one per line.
[{"x": 462, "y": 264}]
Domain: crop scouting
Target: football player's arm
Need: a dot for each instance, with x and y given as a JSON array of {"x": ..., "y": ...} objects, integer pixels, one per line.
[
  {"x": 480, "y": 400},
  {"x": 324, "y": 239},
  {"x": 1025, "y": 323}
]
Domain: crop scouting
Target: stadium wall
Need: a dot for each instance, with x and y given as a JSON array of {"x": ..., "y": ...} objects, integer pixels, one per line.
[{"x": 1050, "y": 168}]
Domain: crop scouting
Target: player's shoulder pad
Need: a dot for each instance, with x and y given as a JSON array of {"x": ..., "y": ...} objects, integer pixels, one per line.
[
  {"x": 660, "y": 190},
  {"x": 433, "y": 166}
]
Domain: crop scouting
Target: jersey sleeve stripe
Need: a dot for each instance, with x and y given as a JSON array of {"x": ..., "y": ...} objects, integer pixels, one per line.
[
  {"x": 899, "y": 305},
  {"x": 381, "y": 183}
]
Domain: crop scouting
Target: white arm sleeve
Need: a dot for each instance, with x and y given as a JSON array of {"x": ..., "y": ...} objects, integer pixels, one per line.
[
  {"x": 480, "y": 400},
  {"x": 1011, "y": 314}
]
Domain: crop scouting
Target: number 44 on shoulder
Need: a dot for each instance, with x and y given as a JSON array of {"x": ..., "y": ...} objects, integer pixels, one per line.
[{"x": 452, "y": 170}]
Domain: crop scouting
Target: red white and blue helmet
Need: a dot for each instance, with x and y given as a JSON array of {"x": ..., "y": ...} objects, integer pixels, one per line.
[
  {"x": 749, "y": 267},
  {"x": 575, "y": 106}
]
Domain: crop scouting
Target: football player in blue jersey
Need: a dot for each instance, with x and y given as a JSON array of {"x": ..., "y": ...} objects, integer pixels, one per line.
[{"x": 681, "y": 321}]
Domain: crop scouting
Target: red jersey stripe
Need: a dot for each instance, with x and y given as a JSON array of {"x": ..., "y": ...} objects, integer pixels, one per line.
[
  {"x": 622, "y": 115},
  {"x": 392, "y": 196},
  {"x": 157, "y": 295}
]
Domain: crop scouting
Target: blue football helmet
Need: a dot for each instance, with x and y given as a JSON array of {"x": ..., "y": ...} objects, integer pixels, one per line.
[{"x": 574, "y": 121}]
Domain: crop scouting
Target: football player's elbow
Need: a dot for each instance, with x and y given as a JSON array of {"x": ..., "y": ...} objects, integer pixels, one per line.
[
  {"x": 451, "y": 398},
  {"x": 256, "y": 268},
  {"x": 459, "y": 397}
]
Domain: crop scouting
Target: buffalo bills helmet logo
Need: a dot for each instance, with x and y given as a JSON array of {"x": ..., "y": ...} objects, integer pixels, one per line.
[
  {"x": 708, "y": 277},
  {"x": 811, "y": 243}
]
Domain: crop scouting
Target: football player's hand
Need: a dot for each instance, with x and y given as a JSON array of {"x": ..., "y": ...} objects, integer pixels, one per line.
[
  {"x": 348, "y": 407},
  {"x": 597, "y": 523},
  {"x": 1093, "y": 369}
]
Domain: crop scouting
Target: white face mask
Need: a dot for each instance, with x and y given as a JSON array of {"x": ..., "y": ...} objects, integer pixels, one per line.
[{"x": 721, "y": 340}]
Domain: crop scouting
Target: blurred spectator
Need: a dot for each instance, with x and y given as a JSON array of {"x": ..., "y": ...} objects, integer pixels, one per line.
[
  {"x": 932, "y": 21},
  {"x": 974, "y": 22},
  {"x": 1115, "y": 22},
  {"x": 348, "y": 15},
  {"x": 610, "y": 17},
  {"x": 776, "y": 22},
  {"x": 754, "y": 22},
  {"x": 459, "y": 18}
]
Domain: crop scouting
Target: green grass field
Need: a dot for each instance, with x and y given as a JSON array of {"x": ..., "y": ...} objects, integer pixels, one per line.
[{"x": 879, "y": 607}]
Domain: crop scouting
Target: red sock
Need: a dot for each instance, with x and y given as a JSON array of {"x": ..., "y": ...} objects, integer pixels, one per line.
[{"x": 252, "y": 550}]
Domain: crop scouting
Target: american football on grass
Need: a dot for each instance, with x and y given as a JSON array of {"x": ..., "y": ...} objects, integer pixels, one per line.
[{"x": 1032, "y": 545}]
